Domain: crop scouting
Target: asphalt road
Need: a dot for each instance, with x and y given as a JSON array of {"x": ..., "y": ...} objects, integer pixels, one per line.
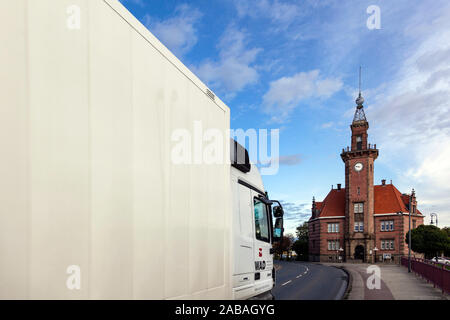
[{"x": 309, "y": 281}]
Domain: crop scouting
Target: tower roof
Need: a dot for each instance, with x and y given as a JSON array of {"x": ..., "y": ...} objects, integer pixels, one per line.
[{"x": 360, "y": 116}]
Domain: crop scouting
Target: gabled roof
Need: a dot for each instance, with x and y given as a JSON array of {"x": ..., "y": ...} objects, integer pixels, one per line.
[
  {"x": 387, "y": 199},
  {"x": 319, "y": 205},
  {"x": 405, "y": 199},
  {"x": 334, "y": 204}
]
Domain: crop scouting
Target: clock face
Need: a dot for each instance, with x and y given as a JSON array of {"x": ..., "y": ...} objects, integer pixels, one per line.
[{"x": 359, "y": 166}]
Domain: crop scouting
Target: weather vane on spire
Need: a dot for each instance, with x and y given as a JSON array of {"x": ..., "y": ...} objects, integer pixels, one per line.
[{"x": 360, "y": 99}]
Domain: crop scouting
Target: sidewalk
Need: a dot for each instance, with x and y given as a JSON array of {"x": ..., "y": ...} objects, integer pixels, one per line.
[{"x": 396, "y": 284}]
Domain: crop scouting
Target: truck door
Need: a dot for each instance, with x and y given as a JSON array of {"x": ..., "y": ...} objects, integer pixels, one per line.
[{"x": 262, "y": 237}]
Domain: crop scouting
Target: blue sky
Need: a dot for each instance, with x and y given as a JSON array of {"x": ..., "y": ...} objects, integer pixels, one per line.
[{"x": 293, "y": 65}]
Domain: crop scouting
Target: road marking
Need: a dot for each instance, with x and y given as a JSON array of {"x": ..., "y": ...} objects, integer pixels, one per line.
[
  {"x": 286, "y": 283},
  {"x": 306, "y": 270},
  {"x": 298, "y": 276}
]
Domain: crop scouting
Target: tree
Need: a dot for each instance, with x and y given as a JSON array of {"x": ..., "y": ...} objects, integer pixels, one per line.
[
  {"x": 301, "y": 246},
  {"x": 283, "y": 245},
  {"x": 302, "y": 231},
  {"x": 447, "y": 231},
  {"x": 429, "y": 240},
  {"x": 301, "y": 249}
]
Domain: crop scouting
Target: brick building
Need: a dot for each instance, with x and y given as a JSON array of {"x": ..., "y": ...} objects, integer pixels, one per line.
[{"x": 363, "y": 221}]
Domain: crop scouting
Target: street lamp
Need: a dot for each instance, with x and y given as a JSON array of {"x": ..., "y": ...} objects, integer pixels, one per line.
[
  {"x": 401, "y": 236},
  {"x": 409, "y": 233},
  {"x": 375, "y": 253},
  {"x": 435, "y": 216},
  {"x": 341, "y": 250}
]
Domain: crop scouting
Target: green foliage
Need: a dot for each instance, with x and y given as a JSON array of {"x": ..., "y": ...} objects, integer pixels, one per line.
[
  {"x": 429, "y": 240},
  {"x": 283, "y": 245},
  {"x": 302, "y": 231},
  {"x": 447, "y": 231},
  {"x": 301, "y": 246}
]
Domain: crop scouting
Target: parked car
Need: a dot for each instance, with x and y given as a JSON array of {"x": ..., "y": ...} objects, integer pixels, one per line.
[{"x": 441, "y": 260}]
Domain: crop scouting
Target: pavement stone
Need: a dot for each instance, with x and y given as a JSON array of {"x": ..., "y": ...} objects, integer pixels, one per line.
[{"x": 396, "y": 284}]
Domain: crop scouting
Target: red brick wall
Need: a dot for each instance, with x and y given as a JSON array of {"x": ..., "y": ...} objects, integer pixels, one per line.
[
  {"x": 321, "y": 236},
  {"x": 363, "y": 180},
  {"x": 359, "y": 130},
  {"x": 326, "y": 236},
  {"x": 419, "y": 221},
  {"x": 398, "y": 234},
  {"x": 314, "y": 235}
]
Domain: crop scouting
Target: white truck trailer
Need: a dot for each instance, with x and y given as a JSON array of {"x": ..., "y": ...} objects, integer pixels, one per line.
[{"x": 91, "y": 205}]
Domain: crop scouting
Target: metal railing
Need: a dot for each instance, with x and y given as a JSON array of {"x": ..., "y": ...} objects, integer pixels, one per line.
[{"x": 436, "y": 273}]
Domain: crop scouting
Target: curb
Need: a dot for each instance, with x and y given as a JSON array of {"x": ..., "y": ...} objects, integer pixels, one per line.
[{"x": 349, "y": 283}]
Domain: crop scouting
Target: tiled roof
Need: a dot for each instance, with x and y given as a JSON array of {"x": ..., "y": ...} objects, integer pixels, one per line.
[
  {"x": 334, "y": 204},
  {"x": 319, "y": 205},
  {"x": 387, "y": 200},
  {"x": 405, "y": 199}
]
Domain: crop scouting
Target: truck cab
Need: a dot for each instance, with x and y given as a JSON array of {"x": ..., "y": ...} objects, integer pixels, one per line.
[{"x": 256, "y": 226}]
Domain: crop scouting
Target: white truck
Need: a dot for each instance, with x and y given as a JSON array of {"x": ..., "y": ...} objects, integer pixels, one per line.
[{"x": 91, "y": 205}]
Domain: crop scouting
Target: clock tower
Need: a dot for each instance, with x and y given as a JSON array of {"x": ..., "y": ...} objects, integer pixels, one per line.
[
  {"x": 363, "y": 221},
  {"x": 359, "y": 233}
]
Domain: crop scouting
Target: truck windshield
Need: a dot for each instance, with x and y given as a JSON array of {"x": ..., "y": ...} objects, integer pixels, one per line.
[{"x": 261, "y": 221}]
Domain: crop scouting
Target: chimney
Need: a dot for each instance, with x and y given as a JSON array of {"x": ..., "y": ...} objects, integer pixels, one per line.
[
  {"x": 383, "y": 182},
  {"x": 339, "y": 186}
]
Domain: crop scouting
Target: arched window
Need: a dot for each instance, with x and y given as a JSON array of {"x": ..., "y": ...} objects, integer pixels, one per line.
[{"x": 359, "y": 142}]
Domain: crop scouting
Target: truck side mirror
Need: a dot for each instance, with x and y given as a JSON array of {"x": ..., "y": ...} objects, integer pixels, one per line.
[
  {"x": 278, "y": 230},
  {"x": 278, "y": 211}
]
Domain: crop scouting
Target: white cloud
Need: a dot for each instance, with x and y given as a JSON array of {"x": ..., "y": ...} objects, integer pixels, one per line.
[
  {"x": 412, "y": 121},
  {"x": 295, "y": 213},
  {"x": 234, "y": 69},
  {"x": 279, "y": 12},
  {"x": 178, "y": 32},
  {"x": 288, "y": 160},
  {"x": 327, "y": 125},
  {"x": 285, "y": 94}
]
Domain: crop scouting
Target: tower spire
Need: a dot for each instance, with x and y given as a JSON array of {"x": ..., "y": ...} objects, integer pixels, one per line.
[
  {"x": 360, "y": 81},
  {"x": 360, "y": 116}
]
